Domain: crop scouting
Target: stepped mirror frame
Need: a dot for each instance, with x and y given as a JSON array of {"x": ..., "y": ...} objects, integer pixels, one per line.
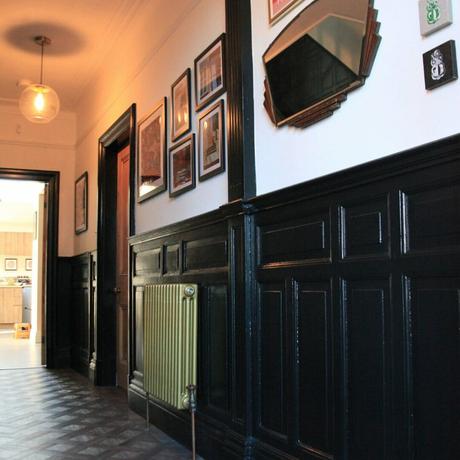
[{"x": 325, "y": 52}]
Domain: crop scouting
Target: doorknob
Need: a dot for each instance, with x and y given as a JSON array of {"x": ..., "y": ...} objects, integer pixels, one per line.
[{"x": 116, "y": 290}]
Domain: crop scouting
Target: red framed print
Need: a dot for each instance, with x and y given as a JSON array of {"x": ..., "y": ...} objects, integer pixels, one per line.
[
  {"x": 182, "y": 166},
  {"x": 211, "y": 141},
  {"x": 210, "y": 73},
  {"x": 180, "y": 103},
  {"x": 278, "y": 8},
  {"x": 151, "y": 153}
]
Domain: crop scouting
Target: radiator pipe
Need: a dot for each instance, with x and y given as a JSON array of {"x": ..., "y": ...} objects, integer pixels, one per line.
[
  {"x": 192, "y": 406},
  {"x": 147, "y": 415}
]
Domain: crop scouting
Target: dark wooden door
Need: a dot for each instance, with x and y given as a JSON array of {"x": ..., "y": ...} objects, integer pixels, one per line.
[{"x": 122, "y": 267}]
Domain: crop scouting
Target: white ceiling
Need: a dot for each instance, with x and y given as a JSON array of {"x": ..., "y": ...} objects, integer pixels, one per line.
[
  {"x": 17, "y": 204},
  {"x": 82, "y": 33}
]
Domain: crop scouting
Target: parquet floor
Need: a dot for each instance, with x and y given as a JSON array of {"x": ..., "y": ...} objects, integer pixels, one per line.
[{"x": 58, "y": 415}]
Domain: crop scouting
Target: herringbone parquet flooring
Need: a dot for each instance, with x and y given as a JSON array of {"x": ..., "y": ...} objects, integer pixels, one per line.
[{"x": 59, "y": 415}]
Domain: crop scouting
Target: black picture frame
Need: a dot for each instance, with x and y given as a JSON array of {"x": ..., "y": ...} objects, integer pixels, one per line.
[
  {"x": 182, "y": 167},
  {"x": 208, "y": 91},
  {"x": 151, "y": 155},
  {"x": 181, "y": 101},
  {"x": 211, "y": 151},
  {"x": 11, "y": 264},
  {"x": 81, "y": 204},
  {"x": 440, "y": 65}
]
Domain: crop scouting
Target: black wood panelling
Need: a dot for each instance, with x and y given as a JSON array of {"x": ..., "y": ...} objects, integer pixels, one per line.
[
  {"x": 328, "y": 317},
  {"x": 432, "y": 217},
  {"x": 272, "y": 362},
  {"x": 435, "y": 320},
  {"x": 82, "y": 320},
  {"x": 295, "y": 240},
  {"x": 364, "y": 229},
  {"x": 314, "y": 365},
  {"x": 197, "y": 254},
  {"x": 217, "y": 341},
  {"x": 205, "y": 254},
  {"x": 367, "y": 378},
  {"x": 358, "y": 313}
]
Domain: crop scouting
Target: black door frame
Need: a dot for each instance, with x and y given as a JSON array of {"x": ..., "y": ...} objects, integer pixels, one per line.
[
  {"x": 51, "y": 178},
  {"x": 121, "y": 134}
]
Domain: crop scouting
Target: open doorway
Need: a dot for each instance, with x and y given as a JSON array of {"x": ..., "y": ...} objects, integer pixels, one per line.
[
  {"x": 22, "y": 273},
  {"x": 28, "y": 261}
]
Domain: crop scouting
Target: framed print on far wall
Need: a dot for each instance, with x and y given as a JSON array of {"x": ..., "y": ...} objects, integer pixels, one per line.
[
  {"x": 182, "y": 166},
  {"x": 211, "y": 140},
  {"x": 180, "y": 103},
  {"x": 210, "y": 73},
  {"x": 28, "y": 265},
  {"x": 81, "y": 203},
  {"x": 11, "y": 265},
  {"x": 151, "y": 153},
  {"x": 278, "y": 8}
]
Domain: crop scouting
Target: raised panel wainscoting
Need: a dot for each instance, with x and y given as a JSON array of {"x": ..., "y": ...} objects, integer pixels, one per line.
[{"x": 328, "y": 315}]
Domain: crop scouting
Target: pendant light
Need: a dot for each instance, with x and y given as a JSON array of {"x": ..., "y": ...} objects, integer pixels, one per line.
[{"x": 39, "y": 103}]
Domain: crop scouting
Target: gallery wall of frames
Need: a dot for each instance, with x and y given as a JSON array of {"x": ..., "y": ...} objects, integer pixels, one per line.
[{"x": 172, "y": 164}]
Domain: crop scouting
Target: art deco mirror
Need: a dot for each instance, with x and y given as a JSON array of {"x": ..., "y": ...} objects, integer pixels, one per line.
[{"x": 323, "y": 54}]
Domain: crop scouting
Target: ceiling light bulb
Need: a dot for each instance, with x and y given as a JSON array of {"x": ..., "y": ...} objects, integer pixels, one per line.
[{"x": 39, "y": 103}]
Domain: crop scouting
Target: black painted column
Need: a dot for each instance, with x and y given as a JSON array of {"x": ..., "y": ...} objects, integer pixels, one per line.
[{"x": 240, "y": 101}]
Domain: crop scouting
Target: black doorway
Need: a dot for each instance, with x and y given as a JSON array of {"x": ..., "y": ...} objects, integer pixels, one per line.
[
  {"x": 120, "y": 135},
  {"x": 51, "y": 179}
]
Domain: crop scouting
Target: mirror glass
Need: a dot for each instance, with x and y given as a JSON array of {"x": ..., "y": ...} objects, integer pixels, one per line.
[{"x": 317, "y": 56}]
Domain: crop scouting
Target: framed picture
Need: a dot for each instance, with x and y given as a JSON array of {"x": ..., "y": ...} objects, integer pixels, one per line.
[
  {"x": 182, "y": 166},
  {"x": 210, "y": 73},
  {"x": 151, "y": 153},
  {"x": 434, "y": 15},
  {"x": 180, "y": 102},
  {"x": 211, "y": 140},
  {"x": 11, "y": 265},
  {"x": 29, "y": 265},
  {"x": 278, "y": 8},
  {"x": 81, "y": 203}
]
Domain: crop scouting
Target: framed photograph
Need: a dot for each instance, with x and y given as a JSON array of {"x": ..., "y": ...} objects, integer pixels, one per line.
[
  {"x": 28, "y": 265},
  {"x": 210, "y": 73},
  {"x": 182, "y": 166},
  {"x": 81, "y": 203},
  {"x": 151, "y": 153},
  {"x": 211, "y": 141},
  {"x": 278, "y": 8},
  {"x": 11, "y": 265},
  {"x": 180, "y": 102}
]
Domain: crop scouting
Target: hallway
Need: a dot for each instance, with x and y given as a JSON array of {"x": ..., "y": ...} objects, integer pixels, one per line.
[{"x": 59, "y": 415}]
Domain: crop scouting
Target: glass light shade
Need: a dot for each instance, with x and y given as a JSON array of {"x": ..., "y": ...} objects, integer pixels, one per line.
[{"x": 39, "y": 103}]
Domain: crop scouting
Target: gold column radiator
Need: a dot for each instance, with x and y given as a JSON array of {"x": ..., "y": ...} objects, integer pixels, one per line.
[{"x": 170, "y": 341}]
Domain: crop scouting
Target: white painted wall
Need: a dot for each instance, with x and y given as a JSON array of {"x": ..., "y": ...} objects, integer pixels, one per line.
[
  {"x": 391, "y": 113},
  {"x": 50, "y": 147},
  {"x": 151, "y": 54},
  {"x": 38, "y": 272}
]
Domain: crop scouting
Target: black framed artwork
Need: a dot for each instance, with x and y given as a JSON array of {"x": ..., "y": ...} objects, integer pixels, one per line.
[
  {"x": 81, "y": 203},
  {"x": 440, "y": 65},
  {"x": 151, "y": 153},
  {"x": 182, "y": 166},
  {"x": 210, "y": 73},
  {"x": 181, "y": 106},
  {"x": 211, "y": 141}
]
